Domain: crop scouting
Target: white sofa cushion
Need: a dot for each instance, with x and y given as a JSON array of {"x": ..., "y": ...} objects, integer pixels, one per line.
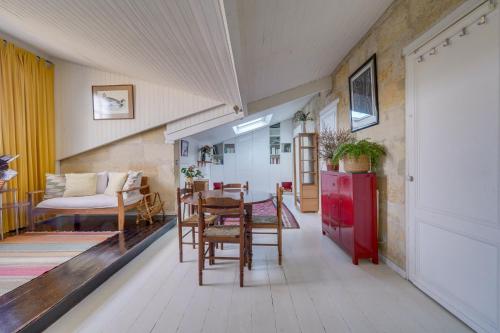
[
  {"x": 102, "y": 182},
  {"x": 90, "y": 201}
]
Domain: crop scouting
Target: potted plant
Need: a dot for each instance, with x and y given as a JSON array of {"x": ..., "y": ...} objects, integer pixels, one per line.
[
  {"x": 358, "y": 157},
  {"x": 302, "y": 117},
  {"x": 191, "y": 172},
  {"x": 329, "y": 141}
]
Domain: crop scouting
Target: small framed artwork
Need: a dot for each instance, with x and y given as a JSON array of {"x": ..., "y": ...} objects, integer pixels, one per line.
[
  {"x": 113, "y": 102},
  {"x": 363, "y": 96},
  {"x": 184, "y": 148}
]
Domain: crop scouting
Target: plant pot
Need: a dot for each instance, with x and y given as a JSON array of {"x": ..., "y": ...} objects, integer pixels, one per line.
[
  {"x": 356, "y": 165},
  {"x": 189, "y": 180},
  {"x": 330, "y": 166}
]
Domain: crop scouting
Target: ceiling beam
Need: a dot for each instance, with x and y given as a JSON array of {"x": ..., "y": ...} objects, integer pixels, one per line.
[{"x": 290, "y": 95}]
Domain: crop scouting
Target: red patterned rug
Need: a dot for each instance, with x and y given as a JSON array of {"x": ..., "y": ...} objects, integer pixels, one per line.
[{"x": 268, "y": 208}]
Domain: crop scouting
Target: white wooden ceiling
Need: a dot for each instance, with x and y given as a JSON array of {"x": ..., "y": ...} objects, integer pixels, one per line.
[
  {"x": 275, "y": 45},
  {"x": 176, "y": 42},
  {"x": 280, "y": 44}
]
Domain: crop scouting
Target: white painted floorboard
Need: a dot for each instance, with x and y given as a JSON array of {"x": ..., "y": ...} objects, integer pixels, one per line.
[{"x": 316, "y": 290}]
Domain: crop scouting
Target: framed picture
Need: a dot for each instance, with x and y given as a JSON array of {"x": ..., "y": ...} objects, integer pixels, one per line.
[
  {"x": 113, "y": 102},
  {"x": 184, "y": 148},
  {"x": 363, "y": 96}
]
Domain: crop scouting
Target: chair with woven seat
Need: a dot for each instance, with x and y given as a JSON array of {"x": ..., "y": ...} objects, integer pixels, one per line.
[
  {"x": 211, "y": 234},
  {"x": 268, "y": 222},
  {"x": 190, "y": 221}
]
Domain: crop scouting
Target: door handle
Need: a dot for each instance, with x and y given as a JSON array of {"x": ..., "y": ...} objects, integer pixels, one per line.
[{"x": 410, "y": 178}]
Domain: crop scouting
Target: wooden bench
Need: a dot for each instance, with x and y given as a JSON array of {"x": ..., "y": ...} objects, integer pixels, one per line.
[{"x": 119, "y": 210}]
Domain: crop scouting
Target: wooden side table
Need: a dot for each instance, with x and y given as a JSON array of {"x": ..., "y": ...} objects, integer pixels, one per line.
[{"x": 15, "y": 205}]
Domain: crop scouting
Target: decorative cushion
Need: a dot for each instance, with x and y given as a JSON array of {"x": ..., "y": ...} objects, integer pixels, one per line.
[
  {"x": 80, "y": 184},
  {"x": 115, "y": 182},
  {"x": 102, "y": 182},
  {"x": 222, "y": 231},
  {"x": 54, "y": 186},
  {"x": 133, "y": 180},
  {"x": 91, "y": 201}
]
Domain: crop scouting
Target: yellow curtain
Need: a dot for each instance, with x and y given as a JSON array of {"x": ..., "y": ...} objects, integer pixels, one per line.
[{"x": 27, "y": 125}]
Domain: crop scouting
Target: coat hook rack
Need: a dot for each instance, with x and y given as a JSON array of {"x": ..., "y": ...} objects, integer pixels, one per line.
[
  {"x": 446, "y": 42},
  {"x": 463, "y": 32},
  {"x": 420, "y": 59},
  {"x": 433, "y": 51}
]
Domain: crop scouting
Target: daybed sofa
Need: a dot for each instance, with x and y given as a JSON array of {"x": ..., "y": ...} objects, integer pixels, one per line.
[{"x": 98, "y": 204}]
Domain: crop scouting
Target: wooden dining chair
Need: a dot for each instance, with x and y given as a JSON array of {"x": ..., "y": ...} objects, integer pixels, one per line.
[
  {"x": 188, "y": 220},
  {"x": 268, "y": 222},
  {"x": 231, "y": 187},
  {"x": 235, "y": 186},
  {"x": 211, "y": 234}
]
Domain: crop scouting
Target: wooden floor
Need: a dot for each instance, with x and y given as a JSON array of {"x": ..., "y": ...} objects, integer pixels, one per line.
[
  {"x": 316, "y": 290},
  {"x": 36, "y": 304}
]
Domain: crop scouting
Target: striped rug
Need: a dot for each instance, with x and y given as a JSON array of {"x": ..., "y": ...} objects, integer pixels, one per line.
[{"x": 24, "y": 257}]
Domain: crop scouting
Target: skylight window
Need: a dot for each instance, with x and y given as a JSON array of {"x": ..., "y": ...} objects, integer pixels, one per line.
[{"x": 252, "y": 125}]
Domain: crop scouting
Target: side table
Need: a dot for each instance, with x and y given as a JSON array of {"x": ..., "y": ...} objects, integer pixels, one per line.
[{"x": 15, "y": 205}]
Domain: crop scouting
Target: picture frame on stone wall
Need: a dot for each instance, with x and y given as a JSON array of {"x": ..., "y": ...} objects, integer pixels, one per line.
[
  {"x": 113, "y": 102},
  {"x": 363, "y": 96}
]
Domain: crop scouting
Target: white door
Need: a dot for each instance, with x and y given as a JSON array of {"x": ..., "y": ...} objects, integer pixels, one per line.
[{"x": 453, "y": 133}]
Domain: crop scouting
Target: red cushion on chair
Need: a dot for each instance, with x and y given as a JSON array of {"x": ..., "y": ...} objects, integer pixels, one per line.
[
  {"x": 217, "y": 186},
  {"x": 287, "y": 186}
]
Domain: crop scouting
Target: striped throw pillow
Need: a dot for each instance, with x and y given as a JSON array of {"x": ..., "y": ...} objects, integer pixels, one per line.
[
  {"x": 133, "y": 180},
  {"x": 54, "y": 186}
]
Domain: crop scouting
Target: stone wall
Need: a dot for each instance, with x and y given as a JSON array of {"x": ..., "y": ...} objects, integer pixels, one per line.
[
  {"x": 402, "y": 22},
  {"x": 146, "y": 151}
]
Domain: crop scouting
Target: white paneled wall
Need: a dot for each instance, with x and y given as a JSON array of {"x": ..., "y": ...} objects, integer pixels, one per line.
[
  {"x": 251, "y": 161},
  {"x": 77, "y": 131}
]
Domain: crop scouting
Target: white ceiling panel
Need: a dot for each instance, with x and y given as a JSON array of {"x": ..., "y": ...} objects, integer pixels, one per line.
[
  {"x": 281, "y": 44},
  {"x": 179, "y": 43}
]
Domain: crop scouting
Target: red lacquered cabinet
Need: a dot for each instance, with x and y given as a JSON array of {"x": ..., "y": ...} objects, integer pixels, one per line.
[{"x": 349, "y": 212}]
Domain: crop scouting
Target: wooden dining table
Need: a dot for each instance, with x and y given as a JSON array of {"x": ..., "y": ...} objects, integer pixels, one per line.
[{"x": 249, "y": 198}]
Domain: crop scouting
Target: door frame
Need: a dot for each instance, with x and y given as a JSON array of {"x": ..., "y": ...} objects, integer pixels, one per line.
[{"x": 330, "y": 108}]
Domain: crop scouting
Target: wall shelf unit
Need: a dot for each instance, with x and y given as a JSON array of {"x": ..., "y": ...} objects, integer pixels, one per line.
[
  {"x": 305, "y": 172},
  {"x": 274, "y": 143}
]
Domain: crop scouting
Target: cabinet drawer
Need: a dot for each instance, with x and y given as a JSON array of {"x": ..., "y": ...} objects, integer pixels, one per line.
[
  {"x": 309, "y": 205},
  {"x": 309, "y": 191}
]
